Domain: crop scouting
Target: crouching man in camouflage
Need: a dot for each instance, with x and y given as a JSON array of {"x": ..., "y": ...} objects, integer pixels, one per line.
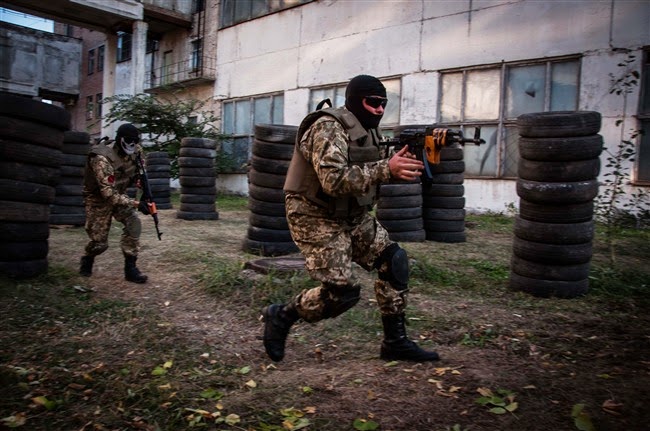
[
  {"x": 331, "y": 183},
  {"x": 111, "y": 168}
]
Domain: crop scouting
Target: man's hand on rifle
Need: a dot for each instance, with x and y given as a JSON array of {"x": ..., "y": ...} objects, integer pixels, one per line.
[
  {"x": 144, "y": 207},
  {"x": 405, "y": 166}
]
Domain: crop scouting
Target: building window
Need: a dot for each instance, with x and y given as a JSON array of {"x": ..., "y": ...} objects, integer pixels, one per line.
[
  {"x": 91, "y": 61},
  {"x": 123, "y": 46},
  {"x": 98, "y": 105},
  {"x": 336, "y": 94},
  {"x": 100, "y": 58},
  {"x": 198, "y": 6},
  {"x": 89, "y": 107},
  {"x": 239, "y": 119},
  {"x": 237, "y": 11},
  {"x": 493, "y": 97},
  {"x": 643, "y": 154},
  {"x": 197, "y": 55}
]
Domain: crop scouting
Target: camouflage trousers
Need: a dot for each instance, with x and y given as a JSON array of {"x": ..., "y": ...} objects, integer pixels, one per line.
[
  {"x": 99, "y": 215},
  {"x": 330, "y": 247}
]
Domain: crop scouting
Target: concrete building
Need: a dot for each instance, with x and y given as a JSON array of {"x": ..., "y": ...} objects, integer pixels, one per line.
[{"x": 463, "y": 63}]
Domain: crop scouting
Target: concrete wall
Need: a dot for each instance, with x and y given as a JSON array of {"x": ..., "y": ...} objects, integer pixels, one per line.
[
  {"x": 328, "y": 42},
  {"x": 33, "y": 62}
]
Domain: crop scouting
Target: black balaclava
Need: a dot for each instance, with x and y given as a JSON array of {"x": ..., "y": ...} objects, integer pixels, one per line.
[{"x": 359, "y": 87}]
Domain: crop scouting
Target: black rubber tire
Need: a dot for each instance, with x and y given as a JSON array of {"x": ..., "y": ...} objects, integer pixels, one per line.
[
  {"x": 432, "y": 225},
  {"x": 562, "y": 149},
  {"x": 557, "y": 193},
  {"x": 198, "y": 208},
  {"x": 21, "y": 191},
  {"x": 405, "y": 189},
  {"x": 548, "y": 288},
  {"x": 543, "y": 271},
  {"x": 197, "y": 172},
  {"x": 552, "y": 254},
  {"x": 403, "y": 225},
  {"x": 272, "y": 150},
  {"x": 197, "y": 152},
  {"x": 276, "y": 133},
  {"x": 16, "y": 106},
  {"x": 157, "y": 157},
  {"x": 544, "y": 213},
  {"x": 559, "y": 124},
  {"x": 449, "y": 237},
  {"x": 268, "y": 221},
  {"x": 23, "y": 250},
  {"x": 196, "y": 181},
  {"x": 578, "y": 170},
  {"x": 73, "y": 171},
  {"x": 17, "y": 231},
  {"x": 158, "y": 175},
  {"x": 443, "y": 214},
  {"x": 69, "y": 190},
  {"x": 190, "y": 215},
  {"x": 199, "y": 191},
  {"x": 443, "y": 190},
  {"x": 412, "y": 201},
  {"x": 195, "y": 162},
  {"x": 160, "y": 189},
  {"x": 398, "y": 213},
  {"x": 447, "y": 167},
  {"x": 68, "y": 219},
  {"x": 24, "y": 269},
  {"x": 70, "y": 180},
  {"x": 69, "y": 200},
  {"x": 262, "y": 234},
  {"x": 443, "y": 202},
  {"x": 267, "y": 208},
  {"x": 76, "y": 137},
  {"x": 159, "y": 168},
  {"x": 198, "y": 199},
  {"x": 409, "y": 236},
  {"x": 16, "y": 151},
  {"x": 266, "y": 194},
  {"x": 445, "y": 179},
  {"x": 269, "y": 165},
  {"x": 262, "y": 248},
  {"x": 27, "y": 212},
  {"x": 66, "y": 209},
  {"x": 76, "y": 149},
  {"x": 73, "y": 159},
  {"x": 207, "y": 143},
  {"x": 554, "y": 233},
  {"x": 30, "y": 132},
  {"x": 30, "y": 173},
  {"x": 265, "y": 179}
]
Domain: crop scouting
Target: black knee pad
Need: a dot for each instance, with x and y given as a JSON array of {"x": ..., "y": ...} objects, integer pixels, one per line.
[
  {"x": 337, "y": 300},
  {"x": 396, "y": 270}
]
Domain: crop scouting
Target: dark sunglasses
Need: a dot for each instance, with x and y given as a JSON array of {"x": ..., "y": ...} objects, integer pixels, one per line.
[
  {"x": 376, "y": 101},
  {"x": 130, "y": 141}
]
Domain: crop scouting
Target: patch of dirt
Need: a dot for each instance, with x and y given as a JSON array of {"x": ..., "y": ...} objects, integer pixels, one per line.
[{"x": 552, "y": 354}]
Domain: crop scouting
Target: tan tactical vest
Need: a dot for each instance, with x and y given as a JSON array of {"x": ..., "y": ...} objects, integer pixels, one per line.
[
  {"x": 363, "y": 148},
  {"x": 124, "y": 172}
]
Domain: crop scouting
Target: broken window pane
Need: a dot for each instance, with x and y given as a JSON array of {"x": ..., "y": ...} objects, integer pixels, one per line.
[
  {"x": 525, "y": 90},
  {"x": 481, "y": 160},
  {"x": 564, "y": 86}
]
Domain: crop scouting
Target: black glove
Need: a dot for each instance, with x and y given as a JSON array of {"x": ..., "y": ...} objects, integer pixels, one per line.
[{"x": 143, "y": 207}]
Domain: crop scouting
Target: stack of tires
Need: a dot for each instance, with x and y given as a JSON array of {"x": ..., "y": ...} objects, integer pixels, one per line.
[
  {"x": 558, "y": 166},
  {"x": 399, "y": 210},
  {"x": 158, "y": 171},
  {"x": 197, "y": 177},
  {"x": 31, "y": 142},
  {"x": 268, "y": 233},
  {"x": 68, "y": 206},
  {"x": 443, "y": 200}
]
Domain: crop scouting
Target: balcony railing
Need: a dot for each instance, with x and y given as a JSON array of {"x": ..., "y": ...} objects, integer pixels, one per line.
[{"x": 184, "y": 73}]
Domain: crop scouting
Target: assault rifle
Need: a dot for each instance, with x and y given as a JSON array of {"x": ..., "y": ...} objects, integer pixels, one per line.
[
  {"x": 427, "y": 142},
  {"x": 147, "y": 195}
]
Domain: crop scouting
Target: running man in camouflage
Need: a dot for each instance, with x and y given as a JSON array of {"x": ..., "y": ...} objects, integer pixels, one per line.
[
  {"x": 111, "y": 168},
  {"x": 331, "y": 184}
]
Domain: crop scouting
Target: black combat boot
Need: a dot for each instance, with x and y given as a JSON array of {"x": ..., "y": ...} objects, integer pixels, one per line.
[
  {"x": 131, "y": 272},
  {"x": 86, "y": 267},
  {"x": 278, "y": 319},
  {"x": 396, "y": 345}
]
